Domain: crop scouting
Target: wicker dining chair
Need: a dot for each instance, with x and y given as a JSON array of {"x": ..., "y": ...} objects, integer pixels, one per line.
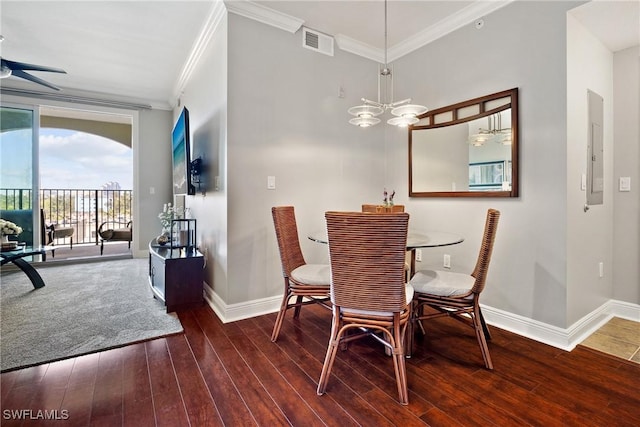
[
  {"x": 457, "y": 294},
  {"x": 382, "y": 209},
  {"x": 391, "y": 209},
  {"x": 368, "y": 288},
  {"x": 308, "y": 283}
]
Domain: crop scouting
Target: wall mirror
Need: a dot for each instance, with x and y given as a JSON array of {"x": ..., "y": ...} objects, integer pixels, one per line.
[{"x": 469, "y": 149}]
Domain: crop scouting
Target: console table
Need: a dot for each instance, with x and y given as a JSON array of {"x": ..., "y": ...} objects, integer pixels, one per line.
[{"x": 176, "y": 276}]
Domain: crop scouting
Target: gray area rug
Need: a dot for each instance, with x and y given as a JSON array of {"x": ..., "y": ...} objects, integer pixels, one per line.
[{"x": 83, "y": 308}]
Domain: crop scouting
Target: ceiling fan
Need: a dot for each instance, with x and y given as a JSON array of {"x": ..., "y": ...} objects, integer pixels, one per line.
[{"x": 19, "y": 69}]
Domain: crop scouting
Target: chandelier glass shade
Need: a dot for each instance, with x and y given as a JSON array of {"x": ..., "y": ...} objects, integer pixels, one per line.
[
  {"x": 406, "y": 113},
  {"x": 365, "y": 115},
  {"x": 5, "y": 72}
]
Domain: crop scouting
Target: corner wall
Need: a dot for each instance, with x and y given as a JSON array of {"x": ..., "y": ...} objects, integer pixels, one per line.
[
  {"x": 206, "y": 98},
  {"x": 590, "y": 233},
  {"x": 626, "y": 162}
]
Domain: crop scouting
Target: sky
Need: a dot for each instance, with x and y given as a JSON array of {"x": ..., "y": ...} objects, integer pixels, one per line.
[{"x": 68, "y": 160}]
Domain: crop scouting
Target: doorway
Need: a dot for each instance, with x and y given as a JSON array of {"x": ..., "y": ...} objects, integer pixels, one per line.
[
  {"x": 86, "y": 180},
  {"x": 71, "y": 170}
]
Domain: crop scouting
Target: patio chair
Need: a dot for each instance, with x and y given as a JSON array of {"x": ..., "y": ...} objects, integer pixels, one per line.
[
  {"x": 53, "y": 232},
  {"x": 368, "y": 288},
  {"x": 113, "y": 231}
]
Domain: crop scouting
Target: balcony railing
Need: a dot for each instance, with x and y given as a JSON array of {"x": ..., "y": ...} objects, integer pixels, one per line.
[{"x": 82, "y": 209}]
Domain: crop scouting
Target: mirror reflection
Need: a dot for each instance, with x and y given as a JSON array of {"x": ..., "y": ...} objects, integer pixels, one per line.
[{"x": 466, "y": 150}]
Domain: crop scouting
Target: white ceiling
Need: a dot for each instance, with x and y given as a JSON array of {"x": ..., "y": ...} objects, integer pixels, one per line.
[{"x": 140, "y": 50}]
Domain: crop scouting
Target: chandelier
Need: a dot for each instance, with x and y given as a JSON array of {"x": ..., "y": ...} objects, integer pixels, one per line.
[{"x": 405, "y": 113}]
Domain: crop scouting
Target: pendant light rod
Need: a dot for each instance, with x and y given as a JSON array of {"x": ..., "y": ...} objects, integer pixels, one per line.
[
  {"x": 385, "y": 34},
  {"x": 406, "y": 114}
]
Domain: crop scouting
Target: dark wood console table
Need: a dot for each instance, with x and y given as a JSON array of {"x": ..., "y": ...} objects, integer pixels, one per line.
[{"x": 176, "y": 276}]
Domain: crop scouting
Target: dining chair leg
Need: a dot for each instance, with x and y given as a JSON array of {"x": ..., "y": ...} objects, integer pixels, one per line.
[
  {"x": 399, "y": 363},
  {"x": 280, "y": 318},
  {"x": 485, "y": 328},
  {"x": 480, "y": 335},
  {"x": 296, "y": 311},
  {"x": 330, "y": 357},
  {"x": 419, "y": 313},
  {"x": 410, "y": 331}
]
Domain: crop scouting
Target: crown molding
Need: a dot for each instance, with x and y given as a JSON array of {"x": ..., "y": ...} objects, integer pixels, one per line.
[
  {"x": 453, "y": 22},
  {"x": 216, "y": 14},
  {"x": 265, "y": 15},
  {"x": 292, "y": 24},
  {"x": 358, "y": 48}
]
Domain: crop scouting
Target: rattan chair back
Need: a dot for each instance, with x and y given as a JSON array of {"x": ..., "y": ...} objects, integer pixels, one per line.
[
  {"x": 486, "y": 249},
  {"x": 367, "y": 255},
  {"x": 284, "y": 221}
]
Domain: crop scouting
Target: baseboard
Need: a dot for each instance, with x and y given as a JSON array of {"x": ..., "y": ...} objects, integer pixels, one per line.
[
  {"x": 245, "y": 310},
  {"x": 565, "y": 339}
]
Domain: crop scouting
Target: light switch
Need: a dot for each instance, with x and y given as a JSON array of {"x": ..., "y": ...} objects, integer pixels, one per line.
[
  {"x": 625, "y": 183},
  {"x": 271, "y": 182}
]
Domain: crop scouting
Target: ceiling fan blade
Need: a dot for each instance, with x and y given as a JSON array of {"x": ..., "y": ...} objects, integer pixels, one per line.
[
  {"x": 27, "y": 76},
  {"x": 30, "y": 67}
]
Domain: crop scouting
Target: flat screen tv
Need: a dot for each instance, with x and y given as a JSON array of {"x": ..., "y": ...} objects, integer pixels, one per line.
[{"x": 181, "y": 155}]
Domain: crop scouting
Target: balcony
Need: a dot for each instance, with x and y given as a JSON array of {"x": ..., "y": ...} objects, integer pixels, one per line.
[{"x": 83, "y": 210}]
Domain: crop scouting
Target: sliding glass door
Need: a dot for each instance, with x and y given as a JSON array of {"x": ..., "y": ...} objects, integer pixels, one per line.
[{"x": 18, "y": 170}]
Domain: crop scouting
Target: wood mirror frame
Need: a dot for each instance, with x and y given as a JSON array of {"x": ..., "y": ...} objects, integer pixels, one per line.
[{"x": 441, "y": 155}]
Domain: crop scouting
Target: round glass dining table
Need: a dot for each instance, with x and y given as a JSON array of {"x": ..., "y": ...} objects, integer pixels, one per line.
[{"x": 415, "y": 240}]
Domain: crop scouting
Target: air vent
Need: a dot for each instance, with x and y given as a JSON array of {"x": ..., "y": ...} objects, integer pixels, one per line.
[{"x": 317, "y": 41}]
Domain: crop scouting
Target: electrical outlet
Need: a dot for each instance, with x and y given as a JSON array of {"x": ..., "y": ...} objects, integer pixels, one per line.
[
  {"x": 447, "y": 261},
  {"x": 419, "y": 255}
]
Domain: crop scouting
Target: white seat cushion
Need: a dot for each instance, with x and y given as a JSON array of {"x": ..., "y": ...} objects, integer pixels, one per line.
[
  {"x": 408, "y": 292},
  {"x": 442, "y": 283},
  {"x": 312, "y": 274}
]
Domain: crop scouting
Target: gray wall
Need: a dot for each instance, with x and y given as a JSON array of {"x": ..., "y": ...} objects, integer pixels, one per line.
[
  {"x": 522, "y": 45},
  {"x": 152, "y": 160},
  {"x": 286, "y": 119},
  {"x": 626, "y": 214},
  {"x": 589, "y": 234}
]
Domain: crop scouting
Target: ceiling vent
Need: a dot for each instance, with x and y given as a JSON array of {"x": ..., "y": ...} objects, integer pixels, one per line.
[{"x": 319, "y": 42}]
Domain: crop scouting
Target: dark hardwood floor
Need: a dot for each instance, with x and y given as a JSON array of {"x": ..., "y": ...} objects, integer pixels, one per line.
[{"x": 231, "y": 374}]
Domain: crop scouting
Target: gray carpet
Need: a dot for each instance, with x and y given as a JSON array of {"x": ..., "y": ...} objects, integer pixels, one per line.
[{"x": 82, "y": 309}]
